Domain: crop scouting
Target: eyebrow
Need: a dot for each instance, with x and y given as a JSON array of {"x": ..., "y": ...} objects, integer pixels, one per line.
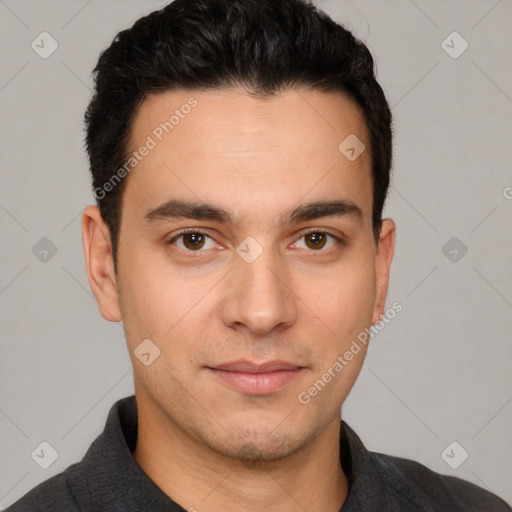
[{"x": 175, "y": 209}]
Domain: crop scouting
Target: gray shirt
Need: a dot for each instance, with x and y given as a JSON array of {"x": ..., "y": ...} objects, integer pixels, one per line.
[{"x": 108, "y": 478}]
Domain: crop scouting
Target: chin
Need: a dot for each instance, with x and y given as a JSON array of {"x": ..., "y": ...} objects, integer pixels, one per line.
[
  {"x": 253, "y": 445},
  {"x": 258, "y": 451},
  {"x": 251, "y": 454}
]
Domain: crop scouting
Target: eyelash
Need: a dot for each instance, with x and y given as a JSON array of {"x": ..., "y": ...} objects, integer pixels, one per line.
[{"x": 337, "y": 239}]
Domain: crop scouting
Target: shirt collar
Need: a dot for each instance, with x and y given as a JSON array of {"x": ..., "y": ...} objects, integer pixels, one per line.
[{"x": 109, "y": 477}]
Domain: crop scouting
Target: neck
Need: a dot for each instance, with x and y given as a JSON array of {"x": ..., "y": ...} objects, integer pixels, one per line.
[{"x": 197, "y": 478}]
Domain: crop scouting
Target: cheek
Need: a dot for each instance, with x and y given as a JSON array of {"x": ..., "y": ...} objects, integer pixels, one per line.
[
  {"x": 159, "y": 302},
  {"x": 345, "y": 306},
  {"x": 344, "y": 300},
  {"x": 147, "y": 306}
]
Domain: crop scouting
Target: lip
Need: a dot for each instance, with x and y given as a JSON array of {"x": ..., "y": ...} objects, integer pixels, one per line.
[{"x": 256, "y": 378}]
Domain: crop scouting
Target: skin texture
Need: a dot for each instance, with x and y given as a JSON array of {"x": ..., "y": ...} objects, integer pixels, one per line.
[{"x": 206, "y": 444}]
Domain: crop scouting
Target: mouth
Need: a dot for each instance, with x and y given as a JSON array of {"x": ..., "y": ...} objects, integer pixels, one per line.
[{"x": 256, "y": 378}]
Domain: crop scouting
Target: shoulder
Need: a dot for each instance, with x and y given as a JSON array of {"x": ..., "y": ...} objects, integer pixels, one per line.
[
  {"x": 52, "y": 495},
  {"x": 421, "y": 485}
]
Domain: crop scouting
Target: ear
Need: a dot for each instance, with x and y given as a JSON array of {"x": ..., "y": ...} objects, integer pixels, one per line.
[
  {"x": 99, "y": 263},
  {"x": 384, "y": 256}
]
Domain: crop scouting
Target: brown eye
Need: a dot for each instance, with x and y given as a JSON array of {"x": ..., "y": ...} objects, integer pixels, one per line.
[
  {"x": 316, "y": 240},
  {"x": 193, "y": 240}
]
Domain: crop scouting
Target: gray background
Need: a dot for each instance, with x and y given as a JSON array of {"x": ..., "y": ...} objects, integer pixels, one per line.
[{"x": 438, "y": 373}]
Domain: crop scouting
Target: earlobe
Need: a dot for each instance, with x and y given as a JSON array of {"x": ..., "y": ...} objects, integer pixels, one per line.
[
  {"x": 384, "y": 257},
  {"x": 99, "y": 263}
]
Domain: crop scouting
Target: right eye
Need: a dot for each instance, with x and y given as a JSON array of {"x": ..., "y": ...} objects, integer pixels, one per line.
[{"x": 191, "y": 240}]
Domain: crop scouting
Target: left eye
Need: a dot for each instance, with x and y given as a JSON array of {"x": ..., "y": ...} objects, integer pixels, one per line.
[{"x": 317, "y": 240}]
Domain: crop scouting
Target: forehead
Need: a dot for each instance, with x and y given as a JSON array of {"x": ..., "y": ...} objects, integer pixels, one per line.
[
  {"x": 223, "y": 115},
  {"x": 227, "y": 146}
]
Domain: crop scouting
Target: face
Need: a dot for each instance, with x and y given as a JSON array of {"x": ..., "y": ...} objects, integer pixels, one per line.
[{"x": 247, "y": 256}]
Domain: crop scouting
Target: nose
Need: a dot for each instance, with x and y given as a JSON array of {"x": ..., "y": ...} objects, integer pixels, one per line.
[{"x": 259, "y": 295}]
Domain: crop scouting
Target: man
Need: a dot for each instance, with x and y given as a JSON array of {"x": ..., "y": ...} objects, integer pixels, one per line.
[{"x": 240, "y": 152}]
